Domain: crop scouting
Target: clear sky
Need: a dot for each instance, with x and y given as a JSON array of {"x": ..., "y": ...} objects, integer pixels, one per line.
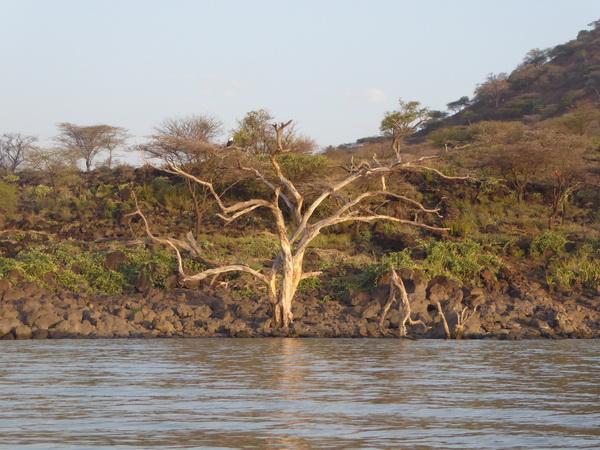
[{"x": 333, "y": 66}]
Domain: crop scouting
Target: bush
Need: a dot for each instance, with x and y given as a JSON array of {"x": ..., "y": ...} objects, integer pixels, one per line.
[
  {"x": 548, "y": 241},
  {"x": 582, "y": 268},
  {"x": 76, "y": 269},
  {"x": 8, "y": 198},
  {"x": 460, "y": 261},
  {"x": 371, "y": 275},
  {"x": 301, "y": 166}
]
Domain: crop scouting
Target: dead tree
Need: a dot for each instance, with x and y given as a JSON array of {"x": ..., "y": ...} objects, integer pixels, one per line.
[
  {"x": 398, "y": 293},
  {"x": 297, "y": 228},
  {"x": 462, "y": 317}
]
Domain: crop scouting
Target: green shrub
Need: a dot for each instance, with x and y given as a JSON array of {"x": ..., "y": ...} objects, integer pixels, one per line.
[
  {"x": 8, "y": 198},
  {"x": 548, "y": 241},
  {"x": 369, "y": 277},
  {"x": 157, "y": 263},
  {"x": 460, "y": 261},
  {"x": 312, "y": 283},
  {"x": 302, "y": 166},
  {"x": 76, "y": 269},
  {"x": 461, "y": 227},
  {"x": 582, "y": 268}
]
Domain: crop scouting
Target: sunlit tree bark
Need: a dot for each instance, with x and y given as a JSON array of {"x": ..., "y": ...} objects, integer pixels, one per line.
[{"x": 296, "y": 220}]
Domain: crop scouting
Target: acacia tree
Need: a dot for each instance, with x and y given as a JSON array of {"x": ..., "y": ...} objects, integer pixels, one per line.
[
  {"x": 88, "y": 141},
  {"x": 460, "y": 104},
  {"x": 493, "y": 88},
  {"x": 192, "y": 143},
  {"x": 54, "y": 162},
  {"x": 515, "y": 151},
  {"x": 255, "y": 134},
  {"x": 191, "y": 140},
  {"x": 567, "y": 168},
  {"x": 297, "y": 221},
  {"x": 580, "y": 119},
  {"x": 14, "y": 149},
  {"x": 402, "y": 122}
]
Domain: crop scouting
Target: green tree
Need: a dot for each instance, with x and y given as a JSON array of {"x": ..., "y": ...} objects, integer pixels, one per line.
[
  {"x": 580, "y": 119},
  {"x": 460, "y": 104},
  {"x": 256, "y": 134},
  {"x": 567, "y": 167},
  {"x": 402, "y": 122}
]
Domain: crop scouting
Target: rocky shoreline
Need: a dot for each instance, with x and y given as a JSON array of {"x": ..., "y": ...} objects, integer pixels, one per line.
[{"x": 496, "y": 311}]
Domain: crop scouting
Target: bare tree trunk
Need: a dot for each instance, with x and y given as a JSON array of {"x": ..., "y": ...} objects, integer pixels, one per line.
[
  {"x": 291, "y": 276},
  {"x": 397, "y": 286},
  {"x": 444, "y": 321}
]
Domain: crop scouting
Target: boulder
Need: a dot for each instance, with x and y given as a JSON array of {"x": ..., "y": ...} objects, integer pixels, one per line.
[
  {"x": 12, "y": 294},
  {"x": 7, "y": 325},
  {"x": 354, "y": 297},
  {"x": 163, "y": 326},
  {"x": 441, "y": 289},
  {"x": 44, "y": 320},
  {"x": 5, "y": 285},
  {"x": 68, "y": 327},
  {"x": 22, "y": 332},
  {"x": 115, "y": 259},
  {"x": 371, "y": 311}
]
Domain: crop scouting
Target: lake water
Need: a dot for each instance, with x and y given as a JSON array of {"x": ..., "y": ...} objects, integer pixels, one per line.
[{"x": 299, "y": 393}]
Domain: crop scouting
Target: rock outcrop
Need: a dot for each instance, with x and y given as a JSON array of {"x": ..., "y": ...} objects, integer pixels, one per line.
[{"x": 499, "y": 309}]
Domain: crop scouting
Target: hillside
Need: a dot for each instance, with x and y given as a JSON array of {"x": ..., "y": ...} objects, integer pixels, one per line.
[{"x": 546, "y": 84}]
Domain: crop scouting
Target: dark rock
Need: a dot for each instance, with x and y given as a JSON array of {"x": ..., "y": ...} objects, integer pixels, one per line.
[
  {"x": 354, "y": 297},
  {"x": 5, "y": 285},
  {"x": 13, "y": 293},
  {"x": 372, "y": 310},
  {"x": 441, "y": 289},
  {"x": 7, "y": 325},
  {"x": 141, "y": 282},
  {"x": 172, "y": 281},
  {"x": 115, "y": 259}
]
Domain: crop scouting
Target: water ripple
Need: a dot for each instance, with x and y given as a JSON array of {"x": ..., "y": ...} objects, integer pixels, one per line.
[{"x": 291, "y": 393}]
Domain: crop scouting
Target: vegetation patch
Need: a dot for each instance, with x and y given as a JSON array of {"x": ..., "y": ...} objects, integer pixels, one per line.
[{"x": 460, "y": 261}]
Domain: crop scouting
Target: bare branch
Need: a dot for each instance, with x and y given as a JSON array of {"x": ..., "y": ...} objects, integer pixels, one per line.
[
  {"x": 397, "y": 286},
  {"x": 175, "y": 243},
  {"x": 444, "y": 321},
  {"x": 446, "y": 177},
  {"x": 295, "y": 209},
  {"x": 240, "y": 208}
]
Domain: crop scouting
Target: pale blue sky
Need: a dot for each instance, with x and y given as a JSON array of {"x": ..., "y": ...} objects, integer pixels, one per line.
[{"x": 334, "y": 66}]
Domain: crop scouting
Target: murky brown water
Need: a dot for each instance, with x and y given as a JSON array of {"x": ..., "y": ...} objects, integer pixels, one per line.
[{"x": 291, "y": 393}]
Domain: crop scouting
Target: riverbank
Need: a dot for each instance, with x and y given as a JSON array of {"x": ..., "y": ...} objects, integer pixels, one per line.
[{"x": 497, "y": 311}]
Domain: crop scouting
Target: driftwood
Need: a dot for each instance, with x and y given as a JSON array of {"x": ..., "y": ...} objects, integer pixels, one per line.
[
  {"x": 462, "y": 317},
  {"x": 398, "y": 293}
]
